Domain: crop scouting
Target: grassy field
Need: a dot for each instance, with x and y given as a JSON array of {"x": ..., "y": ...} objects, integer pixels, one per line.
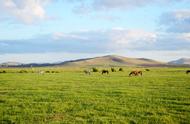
[{"x": 160, "y": 96}]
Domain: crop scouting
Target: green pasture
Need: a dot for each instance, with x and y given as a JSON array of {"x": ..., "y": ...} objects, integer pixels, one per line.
[{"x": 160, "y": 96}]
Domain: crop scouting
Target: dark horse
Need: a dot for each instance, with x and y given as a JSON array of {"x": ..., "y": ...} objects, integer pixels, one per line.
[
  {"x": 105, "y": 71},
  {"x": 135, "y": 73},
  {"x": 188, "y": 71}
]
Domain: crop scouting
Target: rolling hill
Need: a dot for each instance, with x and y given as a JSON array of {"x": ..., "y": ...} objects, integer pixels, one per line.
[
  {"x": 182, "y": 61},
  {"x": 113, "y": 60},
  {"x": 7, "y": 64},
  {"x": 109, "y": 60}
]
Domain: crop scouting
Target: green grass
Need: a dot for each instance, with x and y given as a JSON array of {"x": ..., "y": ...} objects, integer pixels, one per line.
[{"x": 160, "y": 96}]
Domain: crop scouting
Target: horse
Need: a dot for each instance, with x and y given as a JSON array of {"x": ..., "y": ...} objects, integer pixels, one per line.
[
  {"x": 120, "y": 69},
  {"x": 188, "y": 71},
  {"x": 87, "y": 72},
  {"x": 139, "y": 72},
  {"x": 113, "y": 70},
  {"x": 105, "y": 71},
  {"x": 135, "y": 73}
]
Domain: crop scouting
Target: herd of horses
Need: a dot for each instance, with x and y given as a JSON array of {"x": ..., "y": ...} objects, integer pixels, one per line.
[
  {"x": 88, "y": 72},
  {"x": 132, "y": 73},
  {"x": 105, "y": 71}
]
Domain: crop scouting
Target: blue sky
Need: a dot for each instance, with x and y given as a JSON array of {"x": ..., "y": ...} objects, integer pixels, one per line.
[{"x": 58, "y": 30}]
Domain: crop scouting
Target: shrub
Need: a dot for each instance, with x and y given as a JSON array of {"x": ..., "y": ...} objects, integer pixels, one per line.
[{"x": 147, "y": 69}]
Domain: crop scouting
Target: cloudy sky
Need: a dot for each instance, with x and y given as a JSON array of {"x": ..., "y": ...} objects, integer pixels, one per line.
[{"x": 58, "y": 30}]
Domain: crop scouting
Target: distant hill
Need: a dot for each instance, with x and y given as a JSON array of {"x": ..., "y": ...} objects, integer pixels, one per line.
[
  {"x": 8, "y": 64},
  {"x": 182, "y": 61},
  {"x": 113, "y": 60},
  {"x": 109, "y": 60}
]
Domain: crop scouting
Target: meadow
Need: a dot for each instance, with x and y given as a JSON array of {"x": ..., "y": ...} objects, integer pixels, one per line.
[{"x": 160, "y": 96}]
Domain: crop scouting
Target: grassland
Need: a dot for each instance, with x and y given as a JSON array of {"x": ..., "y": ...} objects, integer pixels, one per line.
[{"x": 160, "y": 96}]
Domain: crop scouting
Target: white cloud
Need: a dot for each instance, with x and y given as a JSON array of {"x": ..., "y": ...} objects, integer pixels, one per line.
[
  {"x": 27, "y": 11},
  {"x": 113, "y": 4},
  {"x": 84, "y": 7},
  {"x": 99, "y": 41},
  {"x": 164, "y": 55},
  {"x": 49, "y": 57},
  {"x": 123, "y": 38},
  {"x": 185, "y": 36},
  {"x": 116, "y": 38},
  {"x": 68, "y": 36},
  {"x": 181, "y": 14},
  {"x": 176, "y": 21}
]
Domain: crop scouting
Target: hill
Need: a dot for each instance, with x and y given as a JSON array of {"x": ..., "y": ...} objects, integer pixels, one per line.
[
  {"x": 182, "y": 61},
  {"x": 112, "y": 60},
  {"x": 8, "y": 64},
  {"x": 109, "y": 60}
]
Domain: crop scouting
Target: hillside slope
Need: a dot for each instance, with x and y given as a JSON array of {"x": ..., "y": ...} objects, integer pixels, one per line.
[
  {"x": 113, "y": 60},
  {"x": 182, "y": 61}
]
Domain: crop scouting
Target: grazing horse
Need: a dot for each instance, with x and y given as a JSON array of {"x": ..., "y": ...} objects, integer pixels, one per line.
[
  {"x": 135, "y": 73},
  {"x": 120, "y": 69},
  {"x": 140, "y": 72},
  {"x": 87, "y": 72},
  {"x": 113, "y": 70},
  {"x": 105, "y": 71},
  {"x": 188, "y": 71}
]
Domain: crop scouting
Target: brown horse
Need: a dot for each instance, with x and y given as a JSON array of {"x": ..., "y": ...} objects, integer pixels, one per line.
[
  {"x": 135, "y": 73},
  {"x": 105, "y": 71},
  {"x": 188, "y": 71},
  {"x": 140, "y": 72}
]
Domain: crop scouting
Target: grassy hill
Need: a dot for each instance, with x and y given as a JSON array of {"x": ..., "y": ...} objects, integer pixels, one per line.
[
  {"x": 109, "y": 60},
  {"x": 113, "y": 60},
  {"x": 182, "y": 61}
]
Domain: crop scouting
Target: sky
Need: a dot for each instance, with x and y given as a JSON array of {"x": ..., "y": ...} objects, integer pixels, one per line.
[{"x": 58, "y": 30}]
